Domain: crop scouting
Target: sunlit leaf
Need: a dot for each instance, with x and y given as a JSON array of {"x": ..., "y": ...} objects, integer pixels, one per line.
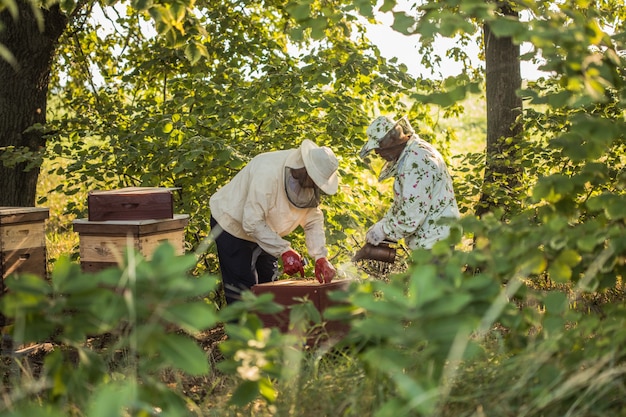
[
  {"x": 559, "y": 271},
  {"x": 267, "y": 390},
  {"x": 569, "y": 257},
  {"x": 193, "y": 52}
]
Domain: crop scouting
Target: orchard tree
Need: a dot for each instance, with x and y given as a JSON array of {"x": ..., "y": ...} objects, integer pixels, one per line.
[
  {"x": 504, "y": 107},
  {"x": 30, "y": 32},
  {"x": 31, "y": 36}
]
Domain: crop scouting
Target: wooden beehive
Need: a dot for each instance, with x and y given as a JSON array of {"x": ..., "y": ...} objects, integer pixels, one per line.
[
  {"x": 103, "y": 243},
  {"x": 288, "y": 292},
  {"x": 23, "y": 240},
  {"x": 130, "y": 203}
]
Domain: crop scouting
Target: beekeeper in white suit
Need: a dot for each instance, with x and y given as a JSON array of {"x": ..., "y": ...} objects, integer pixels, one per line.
[
  {"x": 422, "y": 190},
  {"x": 268, "y": 199}
]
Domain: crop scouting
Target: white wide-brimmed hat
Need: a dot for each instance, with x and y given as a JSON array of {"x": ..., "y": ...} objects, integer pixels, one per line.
[
  {"x": 379, "y": 128},
  {"x": 321, "y": 164}
]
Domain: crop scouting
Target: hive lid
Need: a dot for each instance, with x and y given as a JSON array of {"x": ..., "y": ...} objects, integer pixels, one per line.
[
  {"x": 311, "y": 282},
  {"x": 136, "y": 190},
  {"x": 124, "y": 227},
  {"x": 22, "y": 214}
]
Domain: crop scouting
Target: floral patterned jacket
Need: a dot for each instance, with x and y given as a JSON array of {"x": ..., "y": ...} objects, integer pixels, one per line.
[{"x": 423, "y": 194}]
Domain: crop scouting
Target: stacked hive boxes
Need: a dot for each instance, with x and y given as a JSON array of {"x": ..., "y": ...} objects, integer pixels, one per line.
[
  {"x": 22, "y": 243},
  {"x": 142, "y": 217},
  {"x": 23, "y": 240}
]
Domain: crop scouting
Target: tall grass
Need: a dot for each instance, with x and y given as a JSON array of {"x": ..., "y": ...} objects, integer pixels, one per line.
[{"x": 60, "y": 237}]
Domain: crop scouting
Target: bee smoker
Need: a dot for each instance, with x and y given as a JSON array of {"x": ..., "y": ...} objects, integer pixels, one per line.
[{"x": 384, "y": 252}]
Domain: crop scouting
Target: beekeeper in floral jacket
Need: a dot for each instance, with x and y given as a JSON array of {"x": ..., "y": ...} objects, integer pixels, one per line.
[
  {"x": 268, "y": 199},
  {"x": 422, "y": 190}
]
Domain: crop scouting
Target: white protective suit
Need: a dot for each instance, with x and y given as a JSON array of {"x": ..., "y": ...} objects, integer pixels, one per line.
[
  {"x": 422, "y": 194},
  {"x": 254, "y": 206}
]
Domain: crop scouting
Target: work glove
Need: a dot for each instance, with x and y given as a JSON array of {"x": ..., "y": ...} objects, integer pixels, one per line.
[
  {"x": 324, "y": 270},
  {"x": 375, "y": 235},
  {"x": 292, "y": 263}
]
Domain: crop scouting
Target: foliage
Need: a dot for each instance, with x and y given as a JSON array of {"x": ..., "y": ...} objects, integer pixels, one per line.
[{"x": 115, "y": 331}]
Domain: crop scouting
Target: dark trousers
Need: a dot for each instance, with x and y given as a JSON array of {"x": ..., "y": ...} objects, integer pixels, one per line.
[{"x": 242, "y": 263}]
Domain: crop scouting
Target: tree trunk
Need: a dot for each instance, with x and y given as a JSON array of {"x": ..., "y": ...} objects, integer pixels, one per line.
[
  {"x": 23, "y": 93},
  {"x": 503, "y": 77}
]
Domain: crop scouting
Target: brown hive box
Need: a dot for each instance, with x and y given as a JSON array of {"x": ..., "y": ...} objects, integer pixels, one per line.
[
  {"x": 22, "y": 241},
  {"x": 102, "y": 244},
  {"x": 131, "y": 203},
  {"x": 286, "y": 293}
]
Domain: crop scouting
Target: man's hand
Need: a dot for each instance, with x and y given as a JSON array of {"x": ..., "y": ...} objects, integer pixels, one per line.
[
  {"x": 375, "y": 235},
  {"x": 292, "y": 263},
  {"x": 324, "y": 271}
]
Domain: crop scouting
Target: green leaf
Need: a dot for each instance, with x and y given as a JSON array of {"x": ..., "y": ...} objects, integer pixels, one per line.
[
  {"x": 26, "y": 284},
  {"x": 553, "y": 325},
  {"x": 300, "y": 11},
  {"x": 179, "y": 10},
  {"x": 555, "y": 302},
  {"x": 479, "y": 283},
  {"x": 569, "y": 257},
  {"x": 553, "y": 188},
  {"x": 506, "y": 27},
  {"x": 245, "y": 393},
  {"x": 194, "y": 52},
  {"x": 452, "y": 25},
  {"x": 387, "y": 6},
  {"x": 157, "y": 14},
  {"x": 67, "y": 277},
  {"x": 559, "y": 271},
  {"x": 365, "y": 8},
  {"x": 613, "y": 205},
  {"x": 297, "y": 34},
  {"x": 193, "y": 317},
  {"x": 448, "y": 98},
  {"x": 141, "y": 4},
  {"x": 239, "y": 333},
  {"x": 183, "y": 353},
  {"x": 111, "y": 399},
  {"x": 534, "y": 263},
  {"x": 587, "y": 243},
  {"x": 449, "y": 305},
  {"x": 424, "y": 285},
  {"x": 267, "y": 390},
  {"x": 379, "y": 326},
  {"x": 318, "y": 27},
  {"x": 302, "y": 316},
  {"x": 444, "y": 329},
  {"x": 402, "y": 23},
  {"x": 168, "y": 127}
]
